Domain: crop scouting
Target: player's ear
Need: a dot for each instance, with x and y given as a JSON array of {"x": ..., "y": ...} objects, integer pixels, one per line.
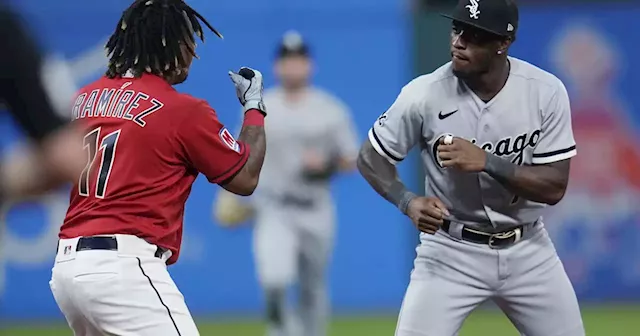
[{"x": 504, "y": 45}]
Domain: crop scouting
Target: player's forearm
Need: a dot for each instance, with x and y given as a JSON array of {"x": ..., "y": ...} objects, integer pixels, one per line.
[
  {"x": 539, "y": 183},
  {"x": 383, "y": 177},
  {"x": 253, "y": 135}
]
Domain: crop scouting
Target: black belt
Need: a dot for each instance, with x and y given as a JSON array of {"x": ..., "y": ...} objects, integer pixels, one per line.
[
  {"x": 296, "y": 201},
  {"x": 106, "y": 243},
  {"x": 290, "y": 199},
  {"x": 494, "y": 240}
]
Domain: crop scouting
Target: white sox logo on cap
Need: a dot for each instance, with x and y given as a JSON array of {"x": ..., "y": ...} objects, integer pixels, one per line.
[
  {"x": 473, "y": 9},
  {"x": 229, "y": 140}
]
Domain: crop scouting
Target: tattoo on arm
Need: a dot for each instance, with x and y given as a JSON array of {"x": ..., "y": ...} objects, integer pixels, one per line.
[
  {"x": 544, "y": 183},
  {"x": 254, "y": 136},
  {"x": 383, "y": 177}
]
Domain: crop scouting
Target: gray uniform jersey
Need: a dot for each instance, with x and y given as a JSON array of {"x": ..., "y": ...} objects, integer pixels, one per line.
[
  {"x": 528, "y": 122},
  {"x": 319, "y": 123}
]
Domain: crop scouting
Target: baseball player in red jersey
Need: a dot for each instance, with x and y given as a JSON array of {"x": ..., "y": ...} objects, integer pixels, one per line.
[{"x": 146, "y": 143}]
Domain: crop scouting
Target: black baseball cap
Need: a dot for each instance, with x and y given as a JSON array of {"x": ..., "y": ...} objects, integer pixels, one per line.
[
  {"x": 292, "y": 44},
  {"x": 499, "y": 17}
]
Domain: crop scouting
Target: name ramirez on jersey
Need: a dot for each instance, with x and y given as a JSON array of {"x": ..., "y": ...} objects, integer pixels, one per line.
[
  {"x": 112, "y": 103},
  {"x": 527, "y": 122}
]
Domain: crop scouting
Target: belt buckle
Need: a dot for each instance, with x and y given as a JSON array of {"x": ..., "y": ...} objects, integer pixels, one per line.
[{"x": 504, "y": 235}]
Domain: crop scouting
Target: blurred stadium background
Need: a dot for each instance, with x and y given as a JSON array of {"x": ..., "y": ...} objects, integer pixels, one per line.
[{"x": 365, "y": 52}]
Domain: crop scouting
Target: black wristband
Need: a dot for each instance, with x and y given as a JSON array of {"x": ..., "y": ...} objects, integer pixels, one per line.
[
  {"x": 499, "y": 168},
  {"x": 400, "y": 196},
  {"x": 407, "y": 197}
]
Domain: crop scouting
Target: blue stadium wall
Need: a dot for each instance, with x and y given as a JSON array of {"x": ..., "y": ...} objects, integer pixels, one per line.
[{"x": 364, "y": 54}]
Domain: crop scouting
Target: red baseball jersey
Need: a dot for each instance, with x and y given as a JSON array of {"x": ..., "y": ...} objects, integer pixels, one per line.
[{"x": 146, "y": 144}]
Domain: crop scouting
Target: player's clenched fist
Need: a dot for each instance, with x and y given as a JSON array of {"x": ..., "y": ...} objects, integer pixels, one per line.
[
  {"x": 461, "y": 154},
  {"x": 249, "y": 88},
  {"x": 427, "y": 213}
]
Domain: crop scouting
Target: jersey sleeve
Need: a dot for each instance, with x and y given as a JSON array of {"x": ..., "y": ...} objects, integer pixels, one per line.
[
  {"x": 209, "y": 146},
  {"x": 398, "y": 129},
  {"x": 556, "y": 141}
]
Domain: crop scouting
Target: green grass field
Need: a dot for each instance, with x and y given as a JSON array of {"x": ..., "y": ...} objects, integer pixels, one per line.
[{"x": 598, "y": 322}]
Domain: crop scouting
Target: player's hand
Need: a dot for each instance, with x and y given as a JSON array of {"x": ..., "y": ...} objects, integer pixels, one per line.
[
  {"x": 313, "y": 161},
  {"x": 249, "y": 88},
  {"x": 427, "y": 213},
  {"x": 316, "y": 168},
  {"x": 462, "y": 154}
]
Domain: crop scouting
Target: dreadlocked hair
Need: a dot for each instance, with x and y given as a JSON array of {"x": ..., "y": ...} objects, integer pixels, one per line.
[{"x": 149, "y": 36}]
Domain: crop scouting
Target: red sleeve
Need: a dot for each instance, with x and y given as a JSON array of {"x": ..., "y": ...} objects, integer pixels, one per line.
[{"x": 209, "y": 147}]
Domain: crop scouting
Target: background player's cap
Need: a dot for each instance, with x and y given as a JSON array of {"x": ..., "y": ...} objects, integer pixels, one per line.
[
  {"x": 496, "y": 16},
  {"x": 292, "y": 44}
]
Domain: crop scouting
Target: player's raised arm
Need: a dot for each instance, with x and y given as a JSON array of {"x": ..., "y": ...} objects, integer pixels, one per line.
[
  {"x": 546, "y": 179},
  {"x": 249, "y": 88},
  {"x": 211, "y": 148}
]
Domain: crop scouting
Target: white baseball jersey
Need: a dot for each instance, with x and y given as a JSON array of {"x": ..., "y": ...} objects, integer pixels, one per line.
[
  {"x": 527, "y": 122},
  {"x": 318, "y": 123}
]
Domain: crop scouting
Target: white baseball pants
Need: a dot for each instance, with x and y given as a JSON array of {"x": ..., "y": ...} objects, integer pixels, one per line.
[{"x": 125, "y": 292}]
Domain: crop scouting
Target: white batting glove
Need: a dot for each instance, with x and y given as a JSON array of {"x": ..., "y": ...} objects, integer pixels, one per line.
[{"x": 249, "y": 88}]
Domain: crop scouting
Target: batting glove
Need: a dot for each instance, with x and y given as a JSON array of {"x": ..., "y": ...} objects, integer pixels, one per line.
[{"x": 249, "y": 88}]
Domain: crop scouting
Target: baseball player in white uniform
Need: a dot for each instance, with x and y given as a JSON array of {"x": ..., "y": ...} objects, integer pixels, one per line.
[
  {"x": 495, "y": 137},
  {"x": 312, "y": 138}
]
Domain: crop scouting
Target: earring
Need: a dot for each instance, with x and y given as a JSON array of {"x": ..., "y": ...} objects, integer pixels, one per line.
[{"x": 499, "y": 52}]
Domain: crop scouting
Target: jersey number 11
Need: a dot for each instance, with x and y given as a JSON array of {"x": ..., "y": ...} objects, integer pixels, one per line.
[{"x": 107, "y": 147}]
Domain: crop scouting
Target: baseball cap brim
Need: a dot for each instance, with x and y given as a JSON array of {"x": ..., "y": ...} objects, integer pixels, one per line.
[
  {"x": 302, "y": 51},
  {"x": 472, "y": 23}
]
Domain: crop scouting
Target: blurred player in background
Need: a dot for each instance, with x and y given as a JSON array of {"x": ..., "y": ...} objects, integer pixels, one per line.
[
  {"x": 27, "y": 92},
  {"x": 146, "y": 144},
  {"x": 311, "y": 139}
]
